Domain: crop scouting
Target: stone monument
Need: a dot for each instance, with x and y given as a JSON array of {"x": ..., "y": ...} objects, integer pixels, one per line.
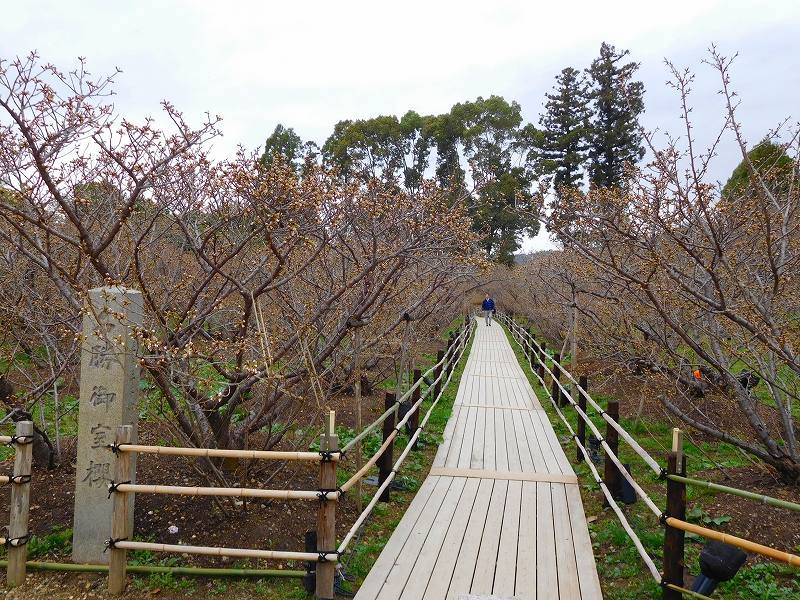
[{"x": 109, "y": 391}]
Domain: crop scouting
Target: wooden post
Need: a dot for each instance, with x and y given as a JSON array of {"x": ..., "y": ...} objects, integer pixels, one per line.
[
  {"x": 583, "y": 380},
  {"x": 556, "y": 391},
  {"x": 117, "y": 560},
  {"x": 385, "y": 461},
  {"x": 674, "y": 538},
  {"x": 611, "y": 474},
  {"x": 531, "y": 347},
  {"x": 20, "y": 505},
  {"x": 326, "y": 513},
  {"x": 413, "y": 420},
  {"x": 439, "y": 370},
  {"x": 542, "y": 358}
]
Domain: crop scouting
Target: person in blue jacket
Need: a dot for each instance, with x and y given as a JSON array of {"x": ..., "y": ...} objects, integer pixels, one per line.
[{"x": 488, "y": 309}]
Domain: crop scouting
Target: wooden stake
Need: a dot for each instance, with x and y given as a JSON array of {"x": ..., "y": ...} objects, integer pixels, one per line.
[
  {"x": 674, "y": 538},
  {"x": 611, "y": 474},
  {"x": 119, "y": 517},
  {"x": 326, "y": 515},
  {"x": 556, "y": 391},
  {"x": 385, "y": 461},
  {"x": 413, "y": 420},
  {"x": 583, "y": 381},
  {"x": 20, "y": 505},
  {"x": 542, "y": 358},
  {"x": 677, "y": 443}
]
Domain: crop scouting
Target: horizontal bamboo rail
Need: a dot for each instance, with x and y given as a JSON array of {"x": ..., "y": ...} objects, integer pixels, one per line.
[
  {"x": 150, "y": 569},
  {"x": 223, "y": 453},
  {"x": 686, "y": 592},
  {"x": 176, "y": 490},
  {"x": 735, "y": 541},
  {"x": 229, "y": 552},
  {"x": 4, "y": 479},
  {"x": 5, "y": 439},
  {"x": 737, "y": 492},
  {"x": 369, "y": 464}
]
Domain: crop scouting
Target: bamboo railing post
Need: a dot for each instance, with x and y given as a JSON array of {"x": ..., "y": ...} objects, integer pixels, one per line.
[
  {"x": 611, "y": 474},
  {"x": 676, "y": 507},
  {"x": 413, "y": 420},
  {"x": 556, "y": 391},
  {"x": 584, "y": 383},
  {"x": 326, "y": 514},
  {"x": 119, "y": 517},
  {"x": 531, "y": 347},
  {"x": 20, "y": 504},
  {"x": 542, "y": 358},
  {"x": 385, "y": 461},
  {"x": 439, "y": 370}
]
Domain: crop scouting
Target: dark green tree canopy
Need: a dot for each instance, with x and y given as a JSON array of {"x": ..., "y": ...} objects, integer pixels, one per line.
[
  {"x": 284, "y": 143},
  {"x": 774, "y": 166},
  {"x": 617, "y": 101},
  {"x": 480, "y": 145},
  {"x": 565, "y": 129}
]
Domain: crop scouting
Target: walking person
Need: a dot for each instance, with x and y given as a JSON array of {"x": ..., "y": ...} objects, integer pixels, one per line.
[{"x": 488, "y": 308}]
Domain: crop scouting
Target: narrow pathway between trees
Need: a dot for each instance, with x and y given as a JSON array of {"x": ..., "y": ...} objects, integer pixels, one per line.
[{"x": 500, "y": 512}]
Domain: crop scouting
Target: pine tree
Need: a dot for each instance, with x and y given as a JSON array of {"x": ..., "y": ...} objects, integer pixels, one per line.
[
  {"x": 617, "y": 101},
  {"x": 565, "y": 129}
]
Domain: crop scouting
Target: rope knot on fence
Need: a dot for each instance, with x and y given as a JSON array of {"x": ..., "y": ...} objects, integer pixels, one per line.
[
  {"x": 18, "y": 541},
  {"x": 113, "y": 486},
  {"x": 19, "y": 439}
]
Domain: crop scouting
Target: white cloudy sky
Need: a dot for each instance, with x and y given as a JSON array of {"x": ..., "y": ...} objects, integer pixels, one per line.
[{"x": 310, "y": 64}]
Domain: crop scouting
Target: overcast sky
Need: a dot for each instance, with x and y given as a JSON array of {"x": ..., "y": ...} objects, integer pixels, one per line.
[{"x": 310, "y": 64}]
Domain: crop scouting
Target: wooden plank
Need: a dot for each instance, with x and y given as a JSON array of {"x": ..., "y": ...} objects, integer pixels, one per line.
[
  {"x": 486, "y": 564},
  {"x": 537, "y": 433},
  {"x": 525, "y": 456},
  {"x": 465, "y": 457},
  {"x": 489, "y": 453},
  {"x": 420, "y": 573},
  {"x": 447, "y": 438},
  {"x": 504, "y": 475},
  {"x": 468, "y": 553},
  {"x": 374, "y": 581},
  {"x": 568, "y": 586},
  {"x": 506, "y": 572},
  {"x": 476, "y": 458},
  {"x": 501, "y": 451},
  {"x": 517, "y": 408},
  {"x": 439, "y": 580},
  {"x": 525, "y": 585},
  {"x": 514, "y": 462},
  {"x": 584, "y": 554},
  {"x": 404, "y": 561},
  {"x": 457, "y": 440},
  {"x": 558, "y": 451},
  {"x": 546, "y": 573}
]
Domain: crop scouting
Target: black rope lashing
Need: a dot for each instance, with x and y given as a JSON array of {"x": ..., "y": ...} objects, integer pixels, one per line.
[
  {"x": 16, "y": 542},
  {"x": 19, "y": 439},
  {"x": 322, "y": 494},
  {"x": 327, "y": 455},
  {"x": 662, "y": 518},
  {"x": 115, "y": 448},
  {"x": 111, "y": 543},
  {"x": 19, "y": 479},
  {"x": 322, "y": 555},
  {"x": 113, "y": 485},
  {"x": 662, "y": 475}
]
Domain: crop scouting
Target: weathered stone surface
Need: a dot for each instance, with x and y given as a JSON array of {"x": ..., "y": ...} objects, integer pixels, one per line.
[{"x": 109, "y": 390}]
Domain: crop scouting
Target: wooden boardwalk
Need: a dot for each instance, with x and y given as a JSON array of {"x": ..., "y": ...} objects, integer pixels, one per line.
[{"x": 500, "y": 512}]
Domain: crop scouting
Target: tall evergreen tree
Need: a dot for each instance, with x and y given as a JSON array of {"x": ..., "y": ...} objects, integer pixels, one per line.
[
  {"x": 565, "y": 128},
  {"x": 283, "y": 142},
  {"x": 617, "y": 101}
]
